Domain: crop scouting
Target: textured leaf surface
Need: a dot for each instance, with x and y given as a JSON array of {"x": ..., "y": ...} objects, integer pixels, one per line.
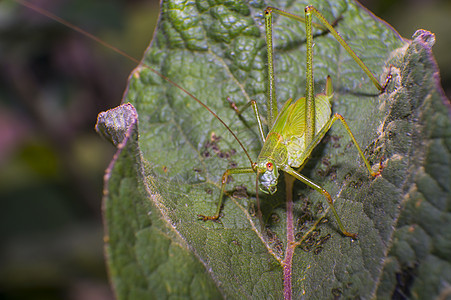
[{"x": 158, "y": 184}]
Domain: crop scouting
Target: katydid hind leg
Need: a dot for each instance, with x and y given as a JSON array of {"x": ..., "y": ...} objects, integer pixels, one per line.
[{"x": 325, "y": 25}]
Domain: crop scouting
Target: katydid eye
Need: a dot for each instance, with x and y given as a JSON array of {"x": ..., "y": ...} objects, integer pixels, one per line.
[{"x": 269, "y": 166}]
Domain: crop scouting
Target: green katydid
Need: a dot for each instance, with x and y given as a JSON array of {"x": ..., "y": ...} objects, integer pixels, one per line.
[
  {"x": 296, "y": 130},
  {"x": 300, "y": 125}
]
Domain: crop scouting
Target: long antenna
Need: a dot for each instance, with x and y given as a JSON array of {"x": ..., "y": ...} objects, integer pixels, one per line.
[{"x": 120, "y": 52}]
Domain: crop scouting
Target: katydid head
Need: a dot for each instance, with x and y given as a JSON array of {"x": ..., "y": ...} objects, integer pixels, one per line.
[{"x": 268, "y": 174}]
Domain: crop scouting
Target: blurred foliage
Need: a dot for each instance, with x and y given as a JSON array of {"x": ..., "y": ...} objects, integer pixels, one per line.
[{"x": 53, "y": 83}]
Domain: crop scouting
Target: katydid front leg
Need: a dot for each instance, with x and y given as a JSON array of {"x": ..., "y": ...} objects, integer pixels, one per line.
[{"x": 225, "y": 178}]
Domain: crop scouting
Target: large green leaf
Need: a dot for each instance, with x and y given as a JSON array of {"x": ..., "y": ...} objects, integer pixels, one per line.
[{"x": 172, "y": 153}]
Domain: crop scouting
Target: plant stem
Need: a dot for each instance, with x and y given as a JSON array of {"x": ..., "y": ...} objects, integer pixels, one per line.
[{"x": 287, "y": 262}]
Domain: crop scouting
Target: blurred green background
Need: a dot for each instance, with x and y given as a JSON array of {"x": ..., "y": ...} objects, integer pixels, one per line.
[{"x": 53, "y": 83}]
